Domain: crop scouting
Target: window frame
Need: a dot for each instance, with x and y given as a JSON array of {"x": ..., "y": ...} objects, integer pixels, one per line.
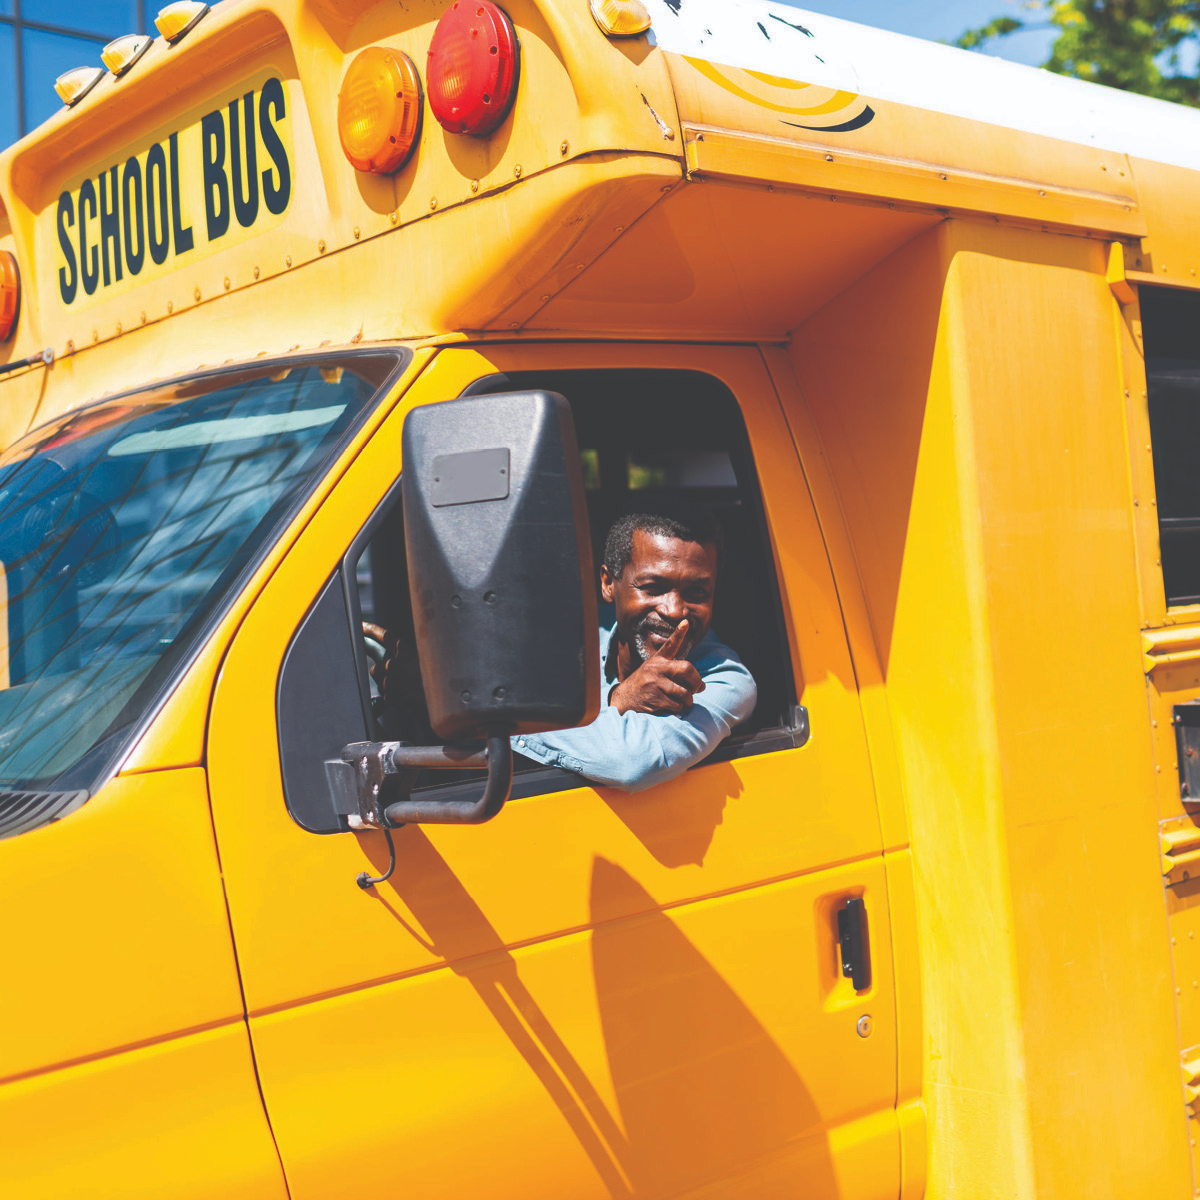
[{"x": 793, "y": 730}]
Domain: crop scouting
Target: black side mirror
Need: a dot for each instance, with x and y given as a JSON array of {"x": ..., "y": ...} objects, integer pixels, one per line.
[
  {"x": 499, "y": 565},
  {"x": 499, "y": 561}
]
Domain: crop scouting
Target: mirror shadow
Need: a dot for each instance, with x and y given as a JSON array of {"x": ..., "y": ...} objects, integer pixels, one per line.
[
  {"x": 706, "y": 1098},
  {"x": 708, "y": 1101},
  {"x": 677, "y": 821},
  {"x": 456, "y": 929}
]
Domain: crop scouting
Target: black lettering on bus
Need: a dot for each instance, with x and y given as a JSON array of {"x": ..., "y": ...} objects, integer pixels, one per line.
[
  {"x": 275, "y": 196},
  {"x": 216, "y": 185},
  {"x": 184, "y": 239},
  {"x": 89, "y": 256},
  {"x": 245, "y": 207},
  {"x": 110, "y": 224},
  {"x": 68, "y": 285},
  {"x": 132, "y": 213},
  {"x": 158, "y": 207}
]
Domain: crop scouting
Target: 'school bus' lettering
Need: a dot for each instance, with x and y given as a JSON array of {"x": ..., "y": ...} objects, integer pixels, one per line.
[{"x": 231, "y": 169}]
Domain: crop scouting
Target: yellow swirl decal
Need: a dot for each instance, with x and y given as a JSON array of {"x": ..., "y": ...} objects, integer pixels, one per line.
[{"x": 811, "y": 102}]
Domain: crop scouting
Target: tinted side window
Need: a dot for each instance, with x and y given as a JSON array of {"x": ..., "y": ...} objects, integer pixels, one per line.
[{"x": 1171, "y": 329}]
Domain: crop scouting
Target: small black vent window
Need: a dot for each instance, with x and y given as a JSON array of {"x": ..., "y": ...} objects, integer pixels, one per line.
[{"x": 1171, "y": 329}]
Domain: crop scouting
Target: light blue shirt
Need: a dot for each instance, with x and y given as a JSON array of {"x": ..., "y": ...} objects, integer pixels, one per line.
[{"x": 635, "y": 750}]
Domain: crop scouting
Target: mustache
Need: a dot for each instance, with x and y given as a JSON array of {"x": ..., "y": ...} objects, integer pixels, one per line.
[{"x": 653, "y": 623}]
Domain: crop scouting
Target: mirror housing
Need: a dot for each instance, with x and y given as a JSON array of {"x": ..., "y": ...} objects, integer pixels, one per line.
[{"x": 500, "y": 565}]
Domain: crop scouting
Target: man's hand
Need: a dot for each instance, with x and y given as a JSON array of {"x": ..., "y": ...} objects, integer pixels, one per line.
[
  {"x": 663, "y": 684},
  {"x": 385, "y": 668}
]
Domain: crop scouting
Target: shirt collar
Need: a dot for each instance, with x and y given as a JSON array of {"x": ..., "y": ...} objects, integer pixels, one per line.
[{"x": 608, "y": 651}]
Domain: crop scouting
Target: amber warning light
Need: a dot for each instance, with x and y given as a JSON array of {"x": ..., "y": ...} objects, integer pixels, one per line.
[
  {"x": 379, "y": 110},
  {"x": 474, "y": 62},
  {"x": 10, "y": 294}
]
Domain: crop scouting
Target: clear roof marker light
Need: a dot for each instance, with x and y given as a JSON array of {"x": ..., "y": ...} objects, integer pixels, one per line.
[
  {"x": 74, "y": 84},
  {"x": 620, "y": 18},
  {"x": 121, "y": 53},
  {"x": 179, "y": 18}
]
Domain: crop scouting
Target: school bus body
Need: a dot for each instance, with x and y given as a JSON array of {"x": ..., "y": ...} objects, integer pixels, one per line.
[{"x": 926, "y": 299}]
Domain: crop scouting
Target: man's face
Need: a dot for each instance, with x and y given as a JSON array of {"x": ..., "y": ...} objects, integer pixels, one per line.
[{"x": 665, "y": 580}]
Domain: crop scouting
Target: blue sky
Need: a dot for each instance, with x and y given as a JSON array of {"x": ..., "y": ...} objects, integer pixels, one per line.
[{"x": 941, "y": 21}]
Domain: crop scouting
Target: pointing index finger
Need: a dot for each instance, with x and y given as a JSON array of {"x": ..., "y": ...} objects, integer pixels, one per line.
[{"x": 671, "y": 646}]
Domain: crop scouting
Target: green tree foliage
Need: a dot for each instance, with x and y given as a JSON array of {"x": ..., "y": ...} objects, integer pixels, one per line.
[{"x": 1138, "y": 45}]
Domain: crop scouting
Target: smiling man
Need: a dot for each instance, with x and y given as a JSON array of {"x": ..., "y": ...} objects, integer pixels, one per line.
[{"x": 671, "y": 692}]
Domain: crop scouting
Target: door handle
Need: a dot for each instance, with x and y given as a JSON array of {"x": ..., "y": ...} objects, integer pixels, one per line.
[{"x": 852, "y": 939}]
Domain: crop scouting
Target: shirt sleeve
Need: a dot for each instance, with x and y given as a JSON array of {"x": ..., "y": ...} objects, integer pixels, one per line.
[{"x": 633, "y": 750}]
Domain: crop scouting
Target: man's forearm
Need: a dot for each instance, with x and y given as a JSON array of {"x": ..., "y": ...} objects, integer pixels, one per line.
[{"x": 630, "y": 751}]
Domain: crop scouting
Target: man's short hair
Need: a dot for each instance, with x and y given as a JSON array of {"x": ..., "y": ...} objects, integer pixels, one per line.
[{"x": 688, "y": 523}]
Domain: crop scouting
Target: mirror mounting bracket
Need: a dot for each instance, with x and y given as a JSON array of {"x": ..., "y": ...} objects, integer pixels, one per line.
[{"x": 384, "y": 774}]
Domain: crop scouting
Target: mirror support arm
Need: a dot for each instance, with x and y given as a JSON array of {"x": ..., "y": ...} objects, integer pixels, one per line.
[{"x": 376, "y": 762}]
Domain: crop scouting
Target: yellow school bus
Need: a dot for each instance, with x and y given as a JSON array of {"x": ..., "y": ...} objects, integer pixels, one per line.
[{"x": 921, "y": 327}]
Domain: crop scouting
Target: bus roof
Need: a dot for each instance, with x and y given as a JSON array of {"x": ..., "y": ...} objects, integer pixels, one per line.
[{"x": 761, "y": 35}]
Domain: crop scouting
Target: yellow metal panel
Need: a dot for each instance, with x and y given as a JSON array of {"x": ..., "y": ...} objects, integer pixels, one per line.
[
  {"x": 1170, "y": 250},
  {"x": 754, "y": 128},
  {"x": 658, "y": 1054},
  {"x": 832, "y": 167},
  {"x": 117, "y": 931},
  {"x": 1117, "y": 282},
  {"x": 1183, "y": 908},
  {"x": 969, "y": 398},
  {"x": 1128, "y": 324},
  {"x": 902, "y": 905},
  {"x": 725, "y": 260},
  {"x": 893, "y": 816},
  {"x": 179, "y": 1120}
]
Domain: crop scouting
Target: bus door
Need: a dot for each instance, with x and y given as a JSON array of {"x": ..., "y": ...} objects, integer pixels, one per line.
[{"x": 597, "y": 993}]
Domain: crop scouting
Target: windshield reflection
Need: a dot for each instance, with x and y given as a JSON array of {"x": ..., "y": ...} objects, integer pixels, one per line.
[{"x": 123, "y": 525}]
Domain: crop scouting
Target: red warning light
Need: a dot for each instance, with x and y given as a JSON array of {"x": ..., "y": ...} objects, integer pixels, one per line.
[{"x": 474, "y": 62}]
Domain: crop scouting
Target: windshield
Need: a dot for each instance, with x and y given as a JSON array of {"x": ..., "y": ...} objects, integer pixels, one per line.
[{"x": 124, "y": 525}]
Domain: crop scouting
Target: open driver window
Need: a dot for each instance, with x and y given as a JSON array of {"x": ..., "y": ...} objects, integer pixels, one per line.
[{"x": 647, "y": 438}]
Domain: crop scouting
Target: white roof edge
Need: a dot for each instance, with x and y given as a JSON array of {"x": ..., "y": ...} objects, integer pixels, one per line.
[{"x": 762, "y": 35}]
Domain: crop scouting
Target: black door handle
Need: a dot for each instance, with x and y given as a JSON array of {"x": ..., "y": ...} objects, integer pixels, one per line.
[{"x": 852, "y": 938}]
